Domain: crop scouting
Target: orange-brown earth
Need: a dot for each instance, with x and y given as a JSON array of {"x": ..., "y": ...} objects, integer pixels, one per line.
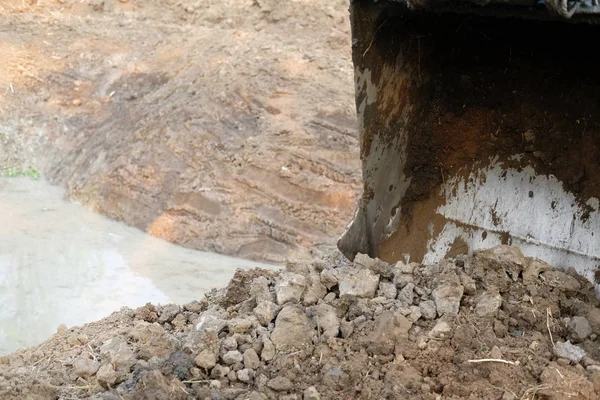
[{"x": 226, "y": 126}]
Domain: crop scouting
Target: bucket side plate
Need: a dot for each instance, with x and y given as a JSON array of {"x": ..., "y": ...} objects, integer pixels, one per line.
[{"x": 475, "y": 132}]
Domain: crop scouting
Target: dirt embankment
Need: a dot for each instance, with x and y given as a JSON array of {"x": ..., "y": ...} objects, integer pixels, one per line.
[
  {"x": 225, "y": 125},
  {"x": 492, "y": 326}
]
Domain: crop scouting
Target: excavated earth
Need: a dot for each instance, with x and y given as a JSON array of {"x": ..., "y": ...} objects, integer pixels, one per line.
[
  {"x": 229, "y": 126},
  {"x": 495, "y": 325},
  {"x": 219, "y": 125}
]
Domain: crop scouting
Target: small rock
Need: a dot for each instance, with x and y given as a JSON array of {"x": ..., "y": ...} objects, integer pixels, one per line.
[
  {"x": 376, "y": 265},
  {"x": 569, "y": 351},
  {"x": 311, "y": 393},
  {"x": 260, "y": 290},
  {"x": 364, "y": 261},
  {"x": 329, "y": 278},
  {"x": 179, "y": 322},
  {"x": 533, "y": 270},
  {"x": 289, "y": 287},
  {"x": 534, "y": 345},
  {"x": 244, "y": 375},
  {"x": 510, "y": 257},
  {"x": 242, "y": 339},
  {"x": 151, "y": 340},
  {"x": 441, "y": 328},
  {"x": 194, "y": 306},
  {"x": 261, "y": 382},
  {"x": 325, "y": 317},
  {"x": 500, "y": 329},
  {"x": 422, "y": 292},
  {"x": 363, "y": 284},
  {"x": 232, "y": 357},
  {"x": 329, "y": 298},
  {"x": 387, "y": 290},
  {"x": 251, "y": 359},
  {"x": 561, "y": 280},
  {"x": 246, "y": 307},
  {"x": 563, "y": 361},
  {"x": 84, "y": 367},
  {"x": 360, "y": 307},
  {"x": 405, "y": 268},
  {"x": 229, "y": 343},
  {"x": 407, "y": 294},
  {"x": 448, "y": 294},
  {"x": 265, "y": 311},
  {"x": 468, "y": 283},
  {"x": 268, "y": 350},
  {"x": 401, "y": 280},
  {"x": 279, "y": 384},
  {"x": 587, "y": 361},
  {"x": 579, "y": 328},
  {"x": 388, "y": 328},
  {"x": 118, "y": 353},
  {"x": 196, "y": 372},
  {"x": 73, "y": 340},
  {"x": 232, "y": 376},
  {"x": 206, "y": 359},
  {"x": 211, "y": 320},
  {"x": 219, "y": 371},
  {"x": 347, "y": 328},
  {"x": 107, "y": 376},
  {"x": 293, "y": 329},
  {"x": 315, "y": 290},
  {"x": 496, "y": 352},
  {"x": 415, "y": 313},
  {"x": 241, "y": 325},
  {"x": 508, "y": 396},
  {"x": 593, "y": 316},
  {"x": 168, "y": 313},
  {"x": 488, "y": 304},
  {"x": 428, "y": 310}
]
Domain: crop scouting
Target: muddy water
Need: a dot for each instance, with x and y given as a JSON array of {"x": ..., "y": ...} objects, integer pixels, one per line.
[{"x": 61, "y": 263}]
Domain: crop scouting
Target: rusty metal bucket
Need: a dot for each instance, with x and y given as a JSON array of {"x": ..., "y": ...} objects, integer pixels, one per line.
[{"x": 480, "y": 125}]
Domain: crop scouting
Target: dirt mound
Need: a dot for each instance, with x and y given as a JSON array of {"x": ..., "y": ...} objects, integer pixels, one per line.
[
  {"x": 495, "y": 325},
  {"x": 224, "y": 126}
]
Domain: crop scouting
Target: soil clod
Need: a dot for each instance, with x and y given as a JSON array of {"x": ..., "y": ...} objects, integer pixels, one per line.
[{"x": 510, "y": 336}]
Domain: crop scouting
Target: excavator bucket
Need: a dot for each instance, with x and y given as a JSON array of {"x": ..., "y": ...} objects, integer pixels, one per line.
[{"x": 480, "y": 126}]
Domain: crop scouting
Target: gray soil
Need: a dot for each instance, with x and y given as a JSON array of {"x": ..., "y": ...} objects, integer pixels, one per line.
[
  {"x": 224, "y": 126},
  {"x": 495, "y": 325}
]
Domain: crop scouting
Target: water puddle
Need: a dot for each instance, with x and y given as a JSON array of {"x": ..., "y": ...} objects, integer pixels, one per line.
[{"x": 61, "y": 263}]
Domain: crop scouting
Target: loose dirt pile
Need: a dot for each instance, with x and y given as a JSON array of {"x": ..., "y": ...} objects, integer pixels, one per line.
[
  {"x": 494, "y": 325},
  {"x": 225, "y": 126}
]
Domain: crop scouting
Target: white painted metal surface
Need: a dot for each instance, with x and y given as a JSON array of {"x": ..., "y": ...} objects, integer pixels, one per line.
[{"x": 536, "y": 212}]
